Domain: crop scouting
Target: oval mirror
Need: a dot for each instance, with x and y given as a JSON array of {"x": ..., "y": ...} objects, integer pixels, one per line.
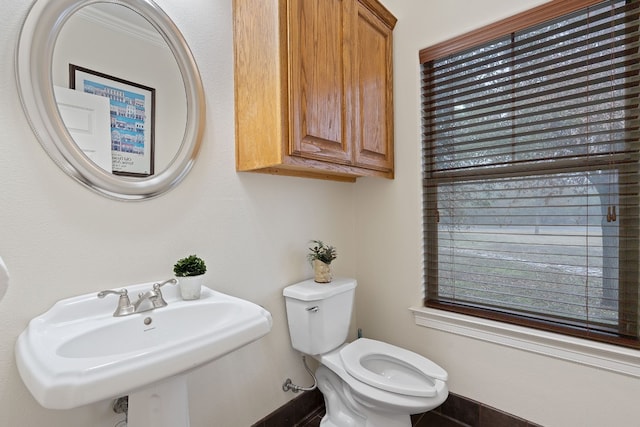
[{"x": 112, "y": 93}]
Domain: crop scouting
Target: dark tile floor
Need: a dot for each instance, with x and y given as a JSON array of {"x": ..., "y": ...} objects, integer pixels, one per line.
[
  {"x": 430, "y": 419},
  {"x": 456, "y": 412},
  {"x": 435, "y": 419},
  {"x": 423, "y": 420},
  {"x": 313, "y": 420},
  {"x": 308, "y": 409}
]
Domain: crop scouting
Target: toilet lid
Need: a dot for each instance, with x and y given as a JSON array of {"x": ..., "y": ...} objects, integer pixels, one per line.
[{"x": 391, "y": 368}]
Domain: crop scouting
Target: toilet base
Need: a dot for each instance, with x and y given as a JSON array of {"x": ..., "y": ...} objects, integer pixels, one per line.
[{"x": 344, "y": 410}]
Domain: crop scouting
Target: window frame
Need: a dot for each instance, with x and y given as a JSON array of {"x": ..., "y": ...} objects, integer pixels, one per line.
[{"x": 545, "y": 12}]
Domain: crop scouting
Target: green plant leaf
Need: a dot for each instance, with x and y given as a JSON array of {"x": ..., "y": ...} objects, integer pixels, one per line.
[{"x": 189, "y": 266}]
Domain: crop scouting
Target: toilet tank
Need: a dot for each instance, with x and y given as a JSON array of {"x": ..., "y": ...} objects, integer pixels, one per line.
[{"x": 319, "y": 314}]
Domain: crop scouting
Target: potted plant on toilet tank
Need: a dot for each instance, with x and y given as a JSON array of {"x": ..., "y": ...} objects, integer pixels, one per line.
[
  {"x": 190, "y": 274},
  {"x": 320, "y": 258}
]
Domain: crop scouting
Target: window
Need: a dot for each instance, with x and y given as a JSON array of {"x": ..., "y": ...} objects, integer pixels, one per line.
[{"x": 531, "y": 149}]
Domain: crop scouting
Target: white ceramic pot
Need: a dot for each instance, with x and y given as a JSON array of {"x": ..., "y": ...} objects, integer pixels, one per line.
[{"x": 190, "y": 286}]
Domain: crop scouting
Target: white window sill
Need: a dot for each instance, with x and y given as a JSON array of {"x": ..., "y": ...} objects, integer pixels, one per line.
[{"x": 589, "y": 353}]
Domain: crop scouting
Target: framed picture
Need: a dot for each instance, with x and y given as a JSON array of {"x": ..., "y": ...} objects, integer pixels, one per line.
[{"x": 132, "y": 117}]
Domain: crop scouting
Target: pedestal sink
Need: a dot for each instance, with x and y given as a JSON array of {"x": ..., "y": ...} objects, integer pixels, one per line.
[{"x": 78, "y": 353}]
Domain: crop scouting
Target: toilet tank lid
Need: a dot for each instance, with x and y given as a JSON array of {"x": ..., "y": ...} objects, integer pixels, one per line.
[{"x": 309, "y": 290}]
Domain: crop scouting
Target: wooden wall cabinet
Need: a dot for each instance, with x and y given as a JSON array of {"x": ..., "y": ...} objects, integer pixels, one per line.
[{"x": 313, "y": 88}]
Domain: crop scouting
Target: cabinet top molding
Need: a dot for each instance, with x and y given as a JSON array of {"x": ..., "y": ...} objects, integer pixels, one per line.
[{"x": 377, "y": 8}]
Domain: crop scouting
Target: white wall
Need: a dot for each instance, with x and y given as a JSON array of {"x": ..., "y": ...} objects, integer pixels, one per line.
[
  {"x": 541, "y": 389},
  {"x": 59, "y": 239}
]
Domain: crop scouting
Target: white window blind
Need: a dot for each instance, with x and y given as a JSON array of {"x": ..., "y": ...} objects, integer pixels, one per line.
[{"x": 531, "y": 145}]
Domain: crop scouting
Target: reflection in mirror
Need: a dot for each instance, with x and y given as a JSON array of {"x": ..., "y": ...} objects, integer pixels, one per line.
[
  {"x": 116, "y": 41},
  {"x": 132, "y": 56},
  {"x": 88, "y": 120}
]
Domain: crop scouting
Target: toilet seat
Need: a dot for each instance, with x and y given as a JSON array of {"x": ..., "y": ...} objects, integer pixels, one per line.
[
  {"x": 391, "y": 368},
  {"x": 374, "y": 397}
]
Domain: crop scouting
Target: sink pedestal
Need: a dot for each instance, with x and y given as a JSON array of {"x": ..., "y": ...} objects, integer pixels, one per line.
[{"x": 163, "y": 404}]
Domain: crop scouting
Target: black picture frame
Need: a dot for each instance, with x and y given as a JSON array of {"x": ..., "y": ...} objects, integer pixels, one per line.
[{"x": 132, "y": 115}]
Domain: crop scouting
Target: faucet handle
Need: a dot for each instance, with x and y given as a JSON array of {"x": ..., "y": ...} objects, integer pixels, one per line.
[
  {"x": 124, "y": 304},
  {"x": 122, "y": 292},
  {"x": 157, "y": 286},
  {"x": 160, "y": 301}
]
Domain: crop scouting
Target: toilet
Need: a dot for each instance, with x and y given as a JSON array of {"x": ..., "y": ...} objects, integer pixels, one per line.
[{"x": 365, "y": 383}]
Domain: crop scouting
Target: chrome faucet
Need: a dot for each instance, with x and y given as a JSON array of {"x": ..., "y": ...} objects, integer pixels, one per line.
[{"x": 153, "y": 299}]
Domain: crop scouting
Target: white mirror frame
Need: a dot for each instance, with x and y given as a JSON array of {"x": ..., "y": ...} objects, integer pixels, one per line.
[{"x": 34, "y": 58}]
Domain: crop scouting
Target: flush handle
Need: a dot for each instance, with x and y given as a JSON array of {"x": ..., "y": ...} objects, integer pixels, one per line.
[{"x": 313, "y": 309}]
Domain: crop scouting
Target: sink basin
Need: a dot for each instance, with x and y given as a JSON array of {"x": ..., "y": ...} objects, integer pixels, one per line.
[
  {"x": 179, "y": 324},
  {"x": 77, "y": 353}
]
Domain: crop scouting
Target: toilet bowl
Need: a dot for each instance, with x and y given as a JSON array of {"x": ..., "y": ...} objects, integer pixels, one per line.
[
  {"x": 396, "y": 386},
  {"x": 365, "y": 383},
  {"x": 392, "y": 368}
]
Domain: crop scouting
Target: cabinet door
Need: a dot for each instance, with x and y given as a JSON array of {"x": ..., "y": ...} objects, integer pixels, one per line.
[
  {"x": 320, "y": 73},
  {"x": 373, "y": 97}
]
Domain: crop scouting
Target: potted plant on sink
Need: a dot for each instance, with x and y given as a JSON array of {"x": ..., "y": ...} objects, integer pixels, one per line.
[
  {"x": 320, "y": 258},
  {"x": 190, "y": 274}
]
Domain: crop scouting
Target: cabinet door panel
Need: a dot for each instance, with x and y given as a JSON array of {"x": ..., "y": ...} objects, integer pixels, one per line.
[
  {"x": 320, "y": 74},
  {"x": 374, "y": 103}
]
